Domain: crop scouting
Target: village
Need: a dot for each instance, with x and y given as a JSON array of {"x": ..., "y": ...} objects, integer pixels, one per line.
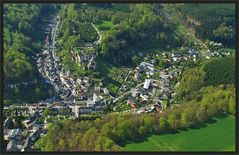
[{"x": 146, "y": 88}]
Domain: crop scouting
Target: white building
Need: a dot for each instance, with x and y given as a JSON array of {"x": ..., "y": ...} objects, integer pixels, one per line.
[{"x": 147, "y": 83}]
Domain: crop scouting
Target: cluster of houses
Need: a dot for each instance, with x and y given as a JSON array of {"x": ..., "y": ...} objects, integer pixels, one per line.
[
  {"x": 16, "y": 140},
  {"x": 14, "y": 136},
  {"x": 159, "y": 91},
  {"x": 179, "y": 57},
  {"x": 211, "y": 54},
  {"x": 54, "y": 73},
  {"x": 63, "y": 82},
  {"x": 145, "y": 67},
  {"x": 50, "y": 68},
  {"x": 194, "y": 55}
]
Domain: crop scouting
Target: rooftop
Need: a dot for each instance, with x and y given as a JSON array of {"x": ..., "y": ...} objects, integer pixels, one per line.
[{"x": 147, "y": 83}]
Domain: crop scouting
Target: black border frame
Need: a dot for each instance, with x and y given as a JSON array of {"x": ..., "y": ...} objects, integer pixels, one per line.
[{"x": 236, "y": 2}]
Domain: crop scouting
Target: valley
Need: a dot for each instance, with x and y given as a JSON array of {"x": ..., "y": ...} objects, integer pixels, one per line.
[{"x": 105, "y": 74}]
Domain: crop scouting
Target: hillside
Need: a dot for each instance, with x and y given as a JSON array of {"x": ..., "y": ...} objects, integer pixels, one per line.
[
  {"x": 219, "y": 25},
  {"x": 219, "y": 71},
  {"x": 22, "y": 41},
  {"x": 111, "y": 132},
  {"x": 124, "y": 30},
  {"x": 105, "y": 76}
]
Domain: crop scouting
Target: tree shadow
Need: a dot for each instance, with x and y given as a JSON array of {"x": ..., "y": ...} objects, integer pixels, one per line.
[
  {"x": 135, "y": 140},
  {"x": 183, "y": 129},
  {"x": 221, "y": 115},
  {"x": 210, "y": 121},
  {"x": 145, "y": 139},
  {"x": 198, "y": 126}
]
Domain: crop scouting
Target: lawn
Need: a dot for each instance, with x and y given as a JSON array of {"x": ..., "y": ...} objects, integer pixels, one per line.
[
  {"x": 218, "y": 136},
  {"x": 106, "y": 71},
  {"x": 105, "y": 25}
]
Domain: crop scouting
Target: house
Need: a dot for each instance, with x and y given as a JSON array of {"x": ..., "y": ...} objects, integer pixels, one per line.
[
  {"x": 192, "y": 53},
  {"x": 141, "y": 54},
  {"x": 28, "y": 123},
  {"x": 96, "y": 97},
  {"x": 209, "y": 55},
  {"x": 147, "y": 65},
  {"x": 165, "y": 90},
  {"x": 106, "y": 91},
  {"x": 97, "y": 90},
  {"x": 79, "y": 81},
  {"x": 135, "y": 92},
  {"x": 216, "y": 53},
  {"x": 147, "y": 83},
  {"x": 8, "y": 123},
  {"x": 12, "y": 146},
  {"x": 90, "y": 103},
  {"x": 144, "y": 97},
  {"x": 165, "y": 55},
  {"x": 152, "y": 62},
  {"x": 136, "y": 76},
  {"x": 35, "y": 127},
  {"x": 85, "y": 110},
  {"x": 92, "y": 64},
  {"x": 140, "y": 111},
  {"x": 177, "y": 56},
  {"x": 86, "y": 80},
  {"x": 133, "y": 106},
  {"x": 150, "y": 73},
  {"x": 97, "y": 105},
  {"x": 154, "y": 91},
  {"x": 26, "y": 145},
  {"x": 132, "y": 102},
  {"x": 165, "y": 83},
  {"x": 35, "y": 135},
  {"x": 164, "y": 97},
  {"x": 14, "y": 134}
]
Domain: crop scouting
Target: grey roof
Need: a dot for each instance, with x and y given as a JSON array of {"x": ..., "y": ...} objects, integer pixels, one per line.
[
  {"x": 14, "y": 133},
  {"x": 147, "y": 83},
  {"x": 12, "y": 146}
]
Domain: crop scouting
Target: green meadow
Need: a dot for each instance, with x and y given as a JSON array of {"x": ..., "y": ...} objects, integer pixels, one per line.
[{"x": 218, "y": 135}]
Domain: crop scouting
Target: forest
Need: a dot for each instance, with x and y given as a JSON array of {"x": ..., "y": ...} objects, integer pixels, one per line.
[
  {"x": 22, "y": 40},
  {"x": 127, "y": 29},
  {"x": 210, "y": 73},
  {"x": 219, "y": 24},
  {"x": 136, "y": 27},
  {"x": 112, "y": 131},
  {"x": 220, "y": 71}
]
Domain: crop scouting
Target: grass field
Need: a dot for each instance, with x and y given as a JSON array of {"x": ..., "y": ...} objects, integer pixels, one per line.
[
  {"x": 105, "y": 25},
  {"x": 218, "y": 136}
]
